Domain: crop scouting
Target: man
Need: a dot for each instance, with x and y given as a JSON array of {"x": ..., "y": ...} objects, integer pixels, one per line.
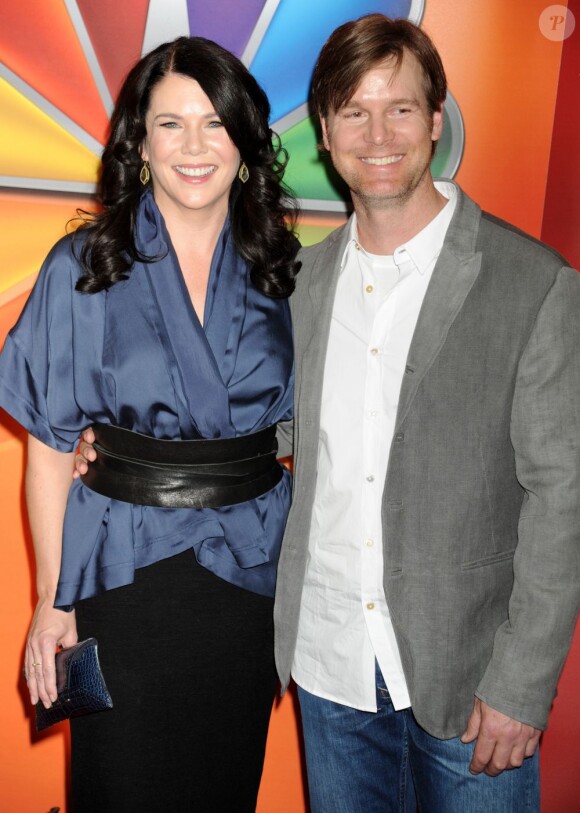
[{"x": 428, "y": 583}]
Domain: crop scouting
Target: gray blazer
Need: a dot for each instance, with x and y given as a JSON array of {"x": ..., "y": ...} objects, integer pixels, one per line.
[{"x": 481, "y": 503}]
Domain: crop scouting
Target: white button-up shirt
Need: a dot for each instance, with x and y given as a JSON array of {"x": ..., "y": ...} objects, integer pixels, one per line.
[{"x": 344, "y": 619}]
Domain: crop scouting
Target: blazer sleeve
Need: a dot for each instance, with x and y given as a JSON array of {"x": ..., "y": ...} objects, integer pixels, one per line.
[
  {"x": 531, "y": 646},
  {"x": 285, "y": 436}
]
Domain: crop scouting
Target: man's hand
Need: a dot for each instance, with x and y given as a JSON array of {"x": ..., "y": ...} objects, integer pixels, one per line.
[
  {"x": 502, "y": 742},
  {"x": 85, "y": 454}
]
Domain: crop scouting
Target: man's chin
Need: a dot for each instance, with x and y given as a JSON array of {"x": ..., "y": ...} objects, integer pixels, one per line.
[{"x": 378, "y": 197}]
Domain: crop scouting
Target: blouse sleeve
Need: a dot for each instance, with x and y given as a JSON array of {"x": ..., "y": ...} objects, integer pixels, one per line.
[{"x": 36, "y": 363}]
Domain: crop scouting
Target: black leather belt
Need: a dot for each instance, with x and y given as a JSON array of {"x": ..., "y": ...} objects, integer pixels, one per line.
[{"x": 203, "y": 473}]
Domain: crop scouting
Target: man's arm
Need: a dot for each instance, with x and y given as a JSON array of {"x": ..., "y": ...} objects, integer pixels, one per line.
[
  {"x": 516, "y": 692},
  {"x": 285, "y": 436},
  {"x": 85, "y": 453}
]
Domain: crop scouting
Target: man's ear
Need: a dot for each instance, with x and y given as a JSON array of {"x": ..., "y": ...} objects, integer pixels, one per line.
[
  {"x": 437, "y": 127},
  {"x": 325, "y": 139}
]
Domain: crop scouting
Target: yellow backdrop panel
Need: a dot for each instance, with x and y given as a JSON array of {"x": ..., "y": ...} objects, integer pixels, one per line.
[{"x": 32, "y": 145}]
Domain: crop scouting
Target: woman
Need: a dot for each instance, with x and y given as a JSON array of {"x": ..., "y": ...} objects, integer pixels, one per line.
[{"x": 167, "y": 316}]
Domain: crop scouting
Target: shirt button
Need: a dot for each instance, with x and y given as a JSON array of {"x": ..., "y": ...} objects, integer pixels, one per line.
[
  {"x": 375, "y": 351},
  {"x": 357, "y": 246},
  {"x": 371, "y": 605},
  {"x": 370, "y": 479},
  {"x": 369, "y": 289},
  {"x": 372, "y": 413},
  {"x": 369, "y": 542}
]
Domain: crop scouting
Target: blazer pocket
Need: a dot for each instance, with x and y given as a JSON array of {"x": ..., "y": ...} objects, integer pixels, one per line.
[{"x": 494, "y": 558}]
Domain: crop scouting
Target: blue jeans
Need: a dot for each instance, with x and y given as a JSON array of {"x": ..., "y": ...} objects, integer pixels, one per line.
[{"x": 361, "y": 762}]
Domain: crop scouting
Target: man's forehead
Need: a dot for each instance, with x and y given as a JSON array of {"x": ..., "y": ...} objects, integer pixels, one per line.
[{"x": 387, "y": 71}]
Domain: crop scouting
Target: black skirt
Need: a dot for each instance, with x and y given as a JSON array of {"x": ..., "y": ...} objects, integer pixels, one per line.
[{"x": 188, "y": 660}]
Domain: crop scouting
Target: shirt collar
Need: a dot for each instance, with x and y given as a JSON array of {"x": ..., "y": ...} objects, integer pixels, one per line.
[
  {"x": 352, "y": 243},
  {"x": 425, "y": 246}
]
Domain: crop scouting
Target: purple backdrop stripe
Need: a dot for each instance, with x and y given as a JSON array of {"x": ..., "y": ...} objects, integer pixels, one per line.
[{"x": 228, "y": 22}]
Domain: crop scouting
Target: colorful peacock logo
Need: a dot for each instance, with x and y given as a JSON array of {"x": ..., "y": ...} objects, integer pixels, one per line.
[{"x": 62, "y": 65}]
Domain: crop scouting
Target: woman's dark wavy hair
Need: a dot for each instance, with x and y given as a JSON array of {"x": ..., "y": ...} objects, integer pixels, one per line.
[{"x": 260, "y": 209}]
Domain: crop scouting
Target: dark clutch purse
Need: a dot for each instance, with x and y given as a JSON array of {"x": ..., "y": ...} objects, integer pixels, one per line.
[{"x": 80, "y": 685}]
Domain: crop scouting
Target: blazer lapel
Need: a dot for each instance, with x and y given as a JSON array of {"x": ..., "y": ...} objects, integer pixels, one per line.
[
  {"x": 313, "y": 315},
  {"x": 454, "y": 274}
]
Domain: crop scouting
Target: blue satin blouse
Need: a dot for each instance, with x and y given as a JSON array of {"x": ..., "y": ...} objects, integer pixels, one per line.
[{"x": 138, "y": 357}]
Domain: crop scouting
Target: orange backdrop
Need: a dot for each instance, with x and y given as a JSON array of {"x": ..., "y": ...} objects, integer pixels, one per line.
[{"x": 505, "y": 76}]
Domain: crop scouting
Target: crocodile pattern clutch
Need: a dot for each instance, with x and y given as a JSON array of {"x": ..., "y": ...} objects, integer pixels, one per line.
[{"x": 80, "y": 685}]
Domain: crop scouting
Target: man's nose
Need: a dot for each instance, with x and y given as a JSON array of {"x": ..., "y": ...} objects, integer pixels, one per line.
[{"x": 379, "y": 131}]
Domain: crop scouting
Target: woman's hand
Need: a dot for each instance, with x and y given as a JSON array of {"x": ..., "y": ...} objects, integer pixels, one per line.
[
  {"x": 85, "y": 453},
  {"x": 50, "y": 628}
]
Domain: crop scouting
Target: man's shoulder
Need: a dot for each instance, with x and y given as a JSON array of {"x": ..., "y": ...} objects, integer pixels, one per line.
[
  {"x": 319, "y": 262},
  {"x": 514, "y": 242},
  {"x": 309, "y": 254}
]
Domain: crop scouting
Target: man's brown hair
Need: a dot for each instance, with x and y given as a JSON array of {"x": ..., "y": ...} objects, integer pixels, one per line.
[{"x": 359, "y": 46}]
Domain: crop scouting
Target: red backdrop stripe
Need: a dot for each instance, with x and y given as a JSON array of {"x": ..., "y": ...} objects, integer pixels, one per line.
[{"x": 561, "y": 224}]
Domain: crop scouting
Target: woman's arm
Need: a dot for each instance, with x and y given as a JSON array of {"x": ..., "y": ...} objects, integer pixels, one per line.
[{"x": 48, "y": 479}]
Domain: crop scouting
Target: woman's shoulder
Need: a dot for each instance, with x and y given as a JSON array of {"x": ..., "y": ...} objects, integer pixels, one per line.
[
  {"x": 64, "y": 258},
  {"x": 61, "y": 269},
  {"x": 69, "y": 246}
]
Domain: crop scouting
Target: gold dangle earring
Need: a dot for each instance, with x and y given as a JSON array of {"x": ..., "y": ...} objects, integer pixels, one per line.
[
  {"x": 244, "y": 172},
  {"x": 144, "y": 175}
]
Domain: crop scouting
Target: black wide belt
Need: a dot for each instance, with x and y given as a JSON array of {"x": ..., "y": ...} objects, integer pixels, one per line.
[{"x": 203, "y": 473}]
